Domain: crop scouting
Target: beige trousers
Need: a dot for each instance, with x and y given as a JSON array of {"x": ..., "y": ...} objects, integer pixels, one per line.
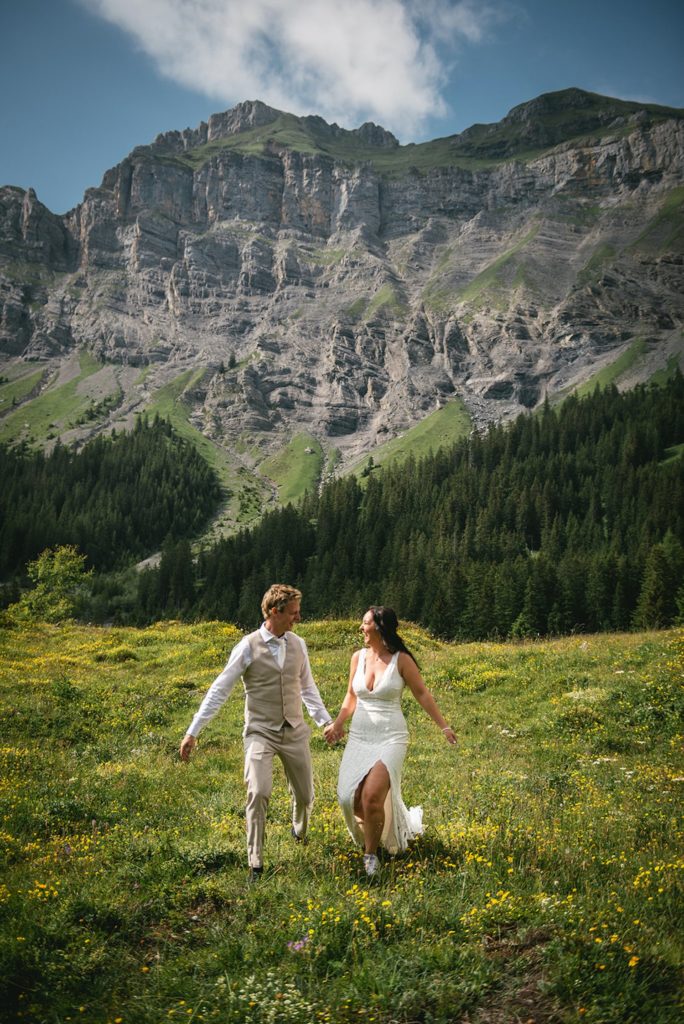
[{"x": 291, "y": 745}]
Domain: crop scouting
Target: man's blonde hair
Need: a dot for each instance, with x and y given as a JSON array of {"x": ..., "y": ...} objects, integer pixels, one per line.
[{"x": 278, "y": 596}]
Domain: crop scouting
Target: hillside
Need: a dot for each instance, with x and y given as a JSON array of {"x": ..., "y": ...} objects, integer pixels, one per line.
[
  {"x": 569, "y": 521},
  {"x": 275, "y": 280},
  {"x": 267, "y": 278},
  {"x": 547, "y": 885}
]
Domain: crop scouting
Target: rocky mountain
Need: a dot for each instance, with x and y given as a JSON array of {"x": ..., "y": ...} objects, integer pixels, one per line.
[{"x": 277, "y": 276}]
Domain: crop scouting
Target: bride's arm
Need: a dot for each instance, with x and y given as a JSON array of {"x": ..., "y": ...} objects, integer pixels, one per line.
[
  {"x": 335, "y": 731},
  {"x": 413, "y": 679}
]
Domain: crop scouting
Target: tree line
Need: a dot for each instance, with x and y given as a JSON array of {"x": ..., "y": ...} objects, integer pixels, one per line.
[
  {"x": 116, "y": 500},
  {"x": 568, "y": 520}
]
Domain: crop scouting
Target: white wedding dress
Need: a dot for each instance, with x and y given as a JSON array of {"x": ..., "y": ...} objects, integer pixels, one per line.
[{"x": 378, "y": 732}]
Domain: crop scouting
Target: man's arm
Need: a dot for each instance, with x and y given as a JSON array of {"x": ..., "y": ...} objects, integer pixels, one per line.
[
  {"x": 310, "y": 695},
  {"x": 217, "y": 694}
]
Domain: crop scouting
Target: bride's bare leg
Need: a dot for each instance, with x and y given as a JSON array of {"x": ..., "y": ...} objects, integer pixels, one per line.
[{"x": 369, "y": 805}]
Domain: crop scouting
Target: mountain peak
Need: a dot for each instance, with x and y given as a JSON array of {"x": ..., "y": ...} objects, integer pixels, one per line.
[
  {"x": 240, "y": 118},
  {"x": 252, "y": 115},
  {"x": 550, "y": 103},
  {"x": 375, "y": 135},
  {"x": 577, "y": 106},
  {"x": 552, "y": 119}
]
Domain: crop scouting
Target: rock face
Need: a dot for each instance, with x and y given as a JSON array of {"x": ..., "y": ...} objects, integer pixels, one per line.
[{"x": 338, "y": 283}]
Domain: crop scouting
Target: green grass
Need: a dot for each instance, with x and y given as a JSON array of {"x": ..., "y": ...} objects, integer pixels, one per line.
[
  {"x": 482, "y": 146},
  {"x": 99, "y": 411},
  {"x": 28, "y": 273},
  {"x": 323, "y": 257},
  {"x": 490, "y": 277},
  {"x": 293, "y": 469},
  {"x": 286, "y": 130},
  {"x": 442, "y": 427},
  {"x": 358, "y": 308},
  {"x": 17, "y": 389},
  {"x": 60, "y": 408},
  {"x": 665, "y": 232},
  {"x": 386, "y": 300},
  {"x": 290, "y": 132},
  {"x": 53, "y": 411},
  {"x": 612, "y": 373},
  {"x": 609, "y": 374},
  {"x": 602, "y": 255},
  {"x": 440, "y": 295},
  {"x": 246, "y": 494},
  {"x": 332, "y": 461},
  {"x": 168, "y": 404},
  {"x": 676, "y": 451},
  {"x": 661, "y": 377},
  {"x": 422, "y": 157},
  {"x": 547, "y": 885}
]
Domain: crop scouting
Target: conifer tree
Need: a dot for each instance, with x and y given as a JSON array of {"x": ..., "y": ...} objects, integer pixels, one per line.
[{"x": 662, "y": 579}]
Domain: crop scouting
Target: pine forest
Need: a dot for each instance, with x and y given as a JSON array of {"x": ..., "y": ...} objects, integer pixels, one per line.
[{"x": 569, "y": 520}]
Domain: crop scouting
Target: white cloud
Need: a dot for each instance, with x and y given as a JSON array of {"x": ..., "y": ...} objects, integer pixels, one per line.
[{"x": 348, "y": 60}]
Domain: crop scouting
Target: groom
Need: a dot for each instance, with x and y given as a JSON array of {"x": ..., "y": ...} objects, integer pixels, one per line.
[{"x": 276, "y": 673}]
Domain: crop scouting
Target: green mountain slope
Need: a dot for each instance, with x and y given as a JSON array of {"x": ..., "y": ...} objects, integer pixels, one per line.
[{"x": 526, "y": 131}]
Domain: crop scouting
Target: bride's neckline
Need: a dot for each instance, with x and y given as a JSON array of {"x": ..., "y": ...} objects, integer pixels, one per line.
[{"x": 377, "y": 678}]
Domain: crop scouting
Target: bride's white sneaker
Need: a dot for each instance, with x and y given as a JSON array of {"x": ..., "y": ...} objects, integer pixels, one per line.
[{"x": 371, "y": 864}]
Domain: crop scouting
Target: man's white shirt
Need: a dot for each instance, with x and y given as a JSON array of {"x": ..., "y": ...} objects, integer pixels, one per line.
[{"x": 240, "y": 659}]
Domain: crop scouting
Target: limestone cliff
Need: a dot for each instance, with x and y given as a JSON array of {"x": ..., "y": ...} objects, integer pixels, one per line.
[{"x": 336, "y": 282}]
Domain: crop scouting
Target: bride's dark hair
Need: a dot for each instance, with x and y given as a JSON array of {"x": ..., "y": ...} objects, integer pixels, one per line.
[{"x": 387, "y": 623}]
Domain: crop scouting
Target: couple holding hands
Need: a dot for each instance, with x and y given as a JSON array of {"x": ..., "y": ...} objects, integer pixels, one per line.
[{"x": 274, "y": 665}]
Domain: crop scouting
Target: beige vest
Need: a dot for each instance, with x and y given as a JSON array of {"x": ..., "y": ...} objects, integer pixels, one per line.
[{"x": 273, "y": 695}]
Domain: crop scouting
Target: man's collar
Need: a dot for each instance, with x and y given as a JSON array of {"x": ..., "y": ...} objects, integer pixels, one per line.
[{"x": 267, "y": 635}]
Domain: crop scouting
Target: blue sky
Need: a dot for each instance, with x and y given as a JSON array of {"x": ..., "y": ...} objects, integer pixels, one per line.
[{"x": 84, "y": 81}]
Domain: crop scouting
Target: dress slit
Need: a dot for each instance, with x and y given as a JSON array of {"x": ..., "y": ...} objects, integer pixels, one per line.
[
  {"x": 389, "y": 817},
  {"x": 378, "y": 736}
]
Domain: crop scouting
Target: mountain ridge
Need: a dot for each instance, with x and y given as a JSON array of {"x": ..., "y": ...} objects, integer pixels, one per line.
[
  {"x": 591, "y": 112},
  {"x": 333, "y": 283}
]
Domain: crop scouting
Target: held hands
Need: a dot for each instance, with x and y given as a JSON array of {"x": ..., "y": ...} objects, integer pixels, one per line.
[{"x": 333, "y": 732}]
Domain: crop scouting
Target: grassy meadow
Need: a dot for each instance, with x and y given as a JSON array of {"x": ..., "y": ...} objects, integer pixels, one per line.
[
  {"x": 442, "y": 427},
  {"x": 296, "y": 468},
  {"x": 547, "y": 885},
  {"x": 50, "y": 412}
]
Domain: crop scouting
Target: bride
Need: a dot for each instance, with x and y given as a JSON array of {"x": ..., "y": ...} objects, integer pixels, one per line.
[{"x": 369, "y": 785}]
